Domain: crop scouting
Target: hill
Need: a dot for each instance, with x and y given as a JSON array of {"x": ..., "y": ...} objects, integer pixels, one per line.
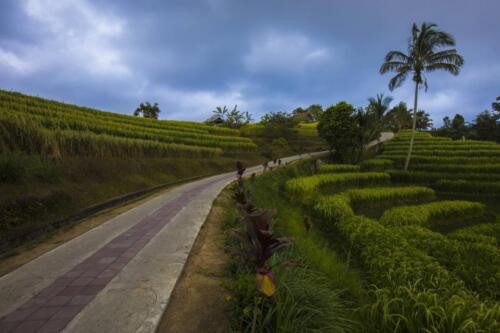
[{"x": 58, "y": 158}]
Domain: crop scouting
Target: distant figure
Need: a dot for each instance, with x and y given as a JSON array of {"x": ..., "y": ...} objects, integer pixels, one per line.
[
  {"x": 274, "y": 161},
  {"x": 279, "y": 162},
  {"x": 265, "y": 166},
  {"x": 240, "y": 169}
]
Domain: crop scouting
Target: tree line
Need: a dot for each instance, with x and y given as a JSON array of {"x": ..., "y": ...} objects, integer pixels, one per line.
[{"x": 486, "y": 125}]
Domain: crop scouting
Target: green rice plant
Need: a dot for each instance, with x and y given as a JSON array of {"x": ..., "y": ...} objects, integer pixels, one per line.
[
  {"x": 89, "y": 144},
  {"x": 304, "y": 187},
  {"x": 486, "y": 233},
  {"x": 334, "y": 168},
  {"x": 417, "y": 159},
  {"x": 469, "y": 187},
  {"x": 423, "y": 177},
  {"x": 376, "y": 197},
  {"x": 435, "y": 214},
  {"x": 19, "y": 102},
  {"x": 65, "y": 122},
  {"x": 378, "y": 164},
  {"x": 447, "y": 152},
  {"x": 476, "y": 263},
  {"x": 412, "y": 292},
  {"x": 332, "y": 209},
  {"x": 458, "y": 168}
]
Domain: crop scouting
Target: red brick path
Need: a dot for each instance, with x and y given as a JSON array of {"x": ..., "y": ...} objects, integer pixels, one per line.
[{"x": 56, "y": 305}]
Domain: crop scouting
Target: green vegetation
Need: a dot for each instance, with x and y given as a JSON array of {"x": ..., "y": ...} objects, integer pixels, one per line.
[
  {"x": 306, "y": 186},
  {"x": 439, "y": 213},
  {"x": 425, "y": 263},
  {"x": 57, "y": 159},
  {"x": 329, "y": 168},
  {"x": 425, "y": 54}
]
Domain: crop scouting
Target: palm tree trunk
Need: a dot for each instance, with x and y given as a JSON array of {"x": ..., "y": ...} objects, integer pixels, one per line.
[{"x": 414, "y": 125}]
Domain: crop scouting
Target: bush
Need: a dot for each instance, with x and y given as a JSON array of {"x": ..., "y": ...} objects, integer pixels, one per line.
[{"x": 435, "y": 214}]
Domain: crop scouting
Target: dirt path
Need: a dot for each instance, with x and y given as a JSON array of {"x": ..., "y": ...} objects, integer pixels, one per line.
[{"x": 200, "y": 282}]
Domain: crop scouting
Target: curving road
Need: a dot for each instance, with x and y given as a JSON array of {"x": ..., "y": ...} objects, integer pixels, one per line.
[{"x": 117, "y": 277}]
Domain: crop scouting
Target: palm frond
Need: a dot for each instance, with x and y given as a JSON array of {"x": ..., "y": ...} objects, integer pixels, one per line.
[
  {"x": 451, "y": 68},
  {"x": 396, "y": 56},
  {"x": 447, "y": 56},
  {"x": 397, "y": 81},
  {"x": 392, "y": 66}
]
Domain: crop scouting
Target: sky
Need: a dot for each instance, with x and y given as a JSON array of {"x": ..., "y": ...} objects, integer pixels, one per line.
[{"x": 270, "y": 55}]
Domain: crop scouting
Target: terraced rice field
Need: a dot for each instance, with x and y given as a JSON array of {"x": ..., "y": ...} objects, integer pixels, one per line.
[
  {"x": 425, "y": 240},
  {"x": 36, "y": 125}
]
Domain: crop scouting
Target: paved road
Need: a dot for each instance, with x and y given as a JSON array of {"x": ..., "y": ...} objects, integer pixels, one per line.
[{"x": 117, "y": 277}]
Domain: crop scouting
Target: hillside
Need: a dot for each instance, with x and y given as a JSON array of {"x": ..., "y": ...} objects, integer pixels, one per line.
[{"x": 58, "y": 158}]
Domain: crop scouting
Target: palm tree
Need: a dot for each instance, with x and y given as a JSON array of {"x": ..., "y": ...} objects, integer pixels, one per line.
[
  {"x": 423, "y": 56},
  {"x": 379, "y": 105}
]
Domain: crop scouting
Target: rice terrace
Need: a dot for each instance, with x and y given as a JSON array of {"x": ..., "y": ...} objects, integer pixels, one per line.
[{"x": 224, "y": 166}]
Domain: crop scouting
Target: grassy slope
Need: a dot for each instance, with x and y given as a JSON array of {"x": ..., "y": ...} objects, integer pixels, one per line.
[{"x": 37, "y": 189}]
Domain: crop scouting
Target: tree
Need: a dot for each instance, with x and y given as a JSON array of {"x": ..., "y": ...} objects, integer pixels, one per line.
[
  {"x": 379, "y": 106},
  {"x": 233, "y": 118},
  {"x": 486, "y": 127},
  {"x": 147, "y": 110},
  {"x": 457, "y": 127},
  {"x": 496, "y": 105},
  {"x": 446, "y": 122},
  {"x": 423, "y": 56},
  {"x": 278, "y": 124},
  {"x": 369, "y": 127},
  {"x": 314, "y": 111},
  {"x": 339, "y": 127},
  {"x": 398, "y": 118},
  {"x": 423, "y": 120}
]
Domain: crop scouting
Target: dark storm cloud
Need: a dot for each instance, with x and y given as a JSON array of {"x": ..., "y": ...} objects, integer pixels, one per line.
[{"x": 262, "y": 55}]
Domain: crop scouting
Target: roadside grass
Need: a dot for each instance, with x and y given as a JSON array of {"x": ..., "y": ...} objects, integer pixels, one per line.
[{"x": 317, "y": 290}]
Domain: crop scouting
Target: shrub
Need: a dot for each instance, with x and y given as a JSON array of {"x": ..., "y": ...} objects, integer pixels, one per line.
[{"x": 439, "y": 213}]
